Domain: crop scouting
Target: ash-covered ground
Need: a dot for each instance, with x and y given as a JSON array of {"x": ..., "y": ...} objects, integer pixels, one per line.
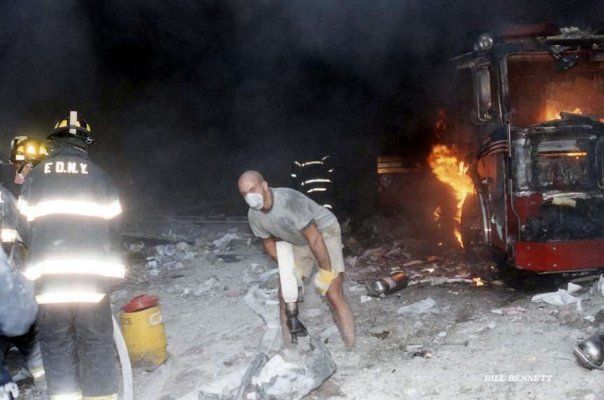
[{"x": 474, "y": 338}]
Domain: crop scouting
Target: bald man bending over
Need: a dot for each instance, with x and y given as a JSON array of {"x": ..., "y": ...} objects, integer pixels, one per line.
[{"x": 288, "y": 215}]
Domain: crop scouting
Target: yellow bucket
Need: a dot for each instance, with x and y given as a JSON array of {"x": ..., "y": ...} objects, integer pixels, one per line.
[{"x": 143, "y": 332}]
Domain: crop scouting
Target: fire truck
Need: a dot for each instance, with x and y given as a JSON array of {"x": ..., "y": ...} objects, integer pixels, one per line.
[{"x": 538, "y": 165}]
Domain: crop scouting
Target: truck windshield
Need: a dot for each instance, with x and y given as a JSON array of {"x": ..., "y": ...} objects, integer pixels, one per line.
[
  {"x": 538, "y": 92},
  {"x": 563, "y": 165}
]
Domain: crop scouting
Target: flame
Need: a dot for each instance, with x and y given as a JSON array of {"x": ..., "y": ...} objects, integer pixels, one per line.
[
  {"x": 552, "y": 112},
  {"x": 436, "y": 213},
  {"x": 477, "y": 281},
  {"x": 449, "y": 169},
  {"x": 441, "y": 126}
]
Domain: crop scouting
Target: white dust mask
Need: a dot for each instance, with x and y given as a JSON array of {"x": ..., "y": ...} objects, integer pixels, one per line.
[{"x": 254, "y": 200}]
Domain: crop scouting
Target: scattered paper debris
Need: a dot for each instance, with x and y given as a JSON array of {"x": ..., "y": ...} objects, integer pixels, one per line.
[
  {"x": 352, "y": 260},
  {"x": 220, "y": 245},
  {"x": 418, "y": 308},
  {"x": 560, "y": 298},
  {"x": 295, "y": 378},
  {"x": 412, "y": 263},
  {"x": 600, "y": 285},
  {"x": 383, "y": 335},
  {"x": 509, "y": 310}
]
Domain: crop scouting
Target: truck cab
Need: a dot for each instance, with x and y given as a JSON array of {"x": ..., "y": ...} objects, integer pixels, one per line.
[{"x": 538, "y": 169}]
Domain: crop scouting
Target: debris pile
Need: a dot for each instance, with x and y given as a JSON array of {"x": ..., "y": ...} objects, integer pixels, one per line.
[
  {"x": 422, "y": 264},
  {"x": 290, "y": 373},
  {"x": 575, "y": 304},
  {"x": 149, "y": 260}
]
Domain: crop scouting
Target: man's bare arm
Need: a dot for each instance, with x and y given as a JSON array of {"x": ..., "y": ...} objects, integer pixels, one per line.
[
  {"x": 270, "y": 246},
  {"x": 317, "y": 246}
]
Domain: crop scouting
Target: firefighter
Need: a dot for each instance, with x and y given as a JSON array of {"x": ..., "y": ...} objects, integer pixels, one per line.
[
  {"x": 17, "y": 314},
  {"x": 11, "y": 232},
  {"x": 72, "y": 209},
  {"x": 284, "y": 214},
  {"x": 25, "y": 153},
  {"x": 314, "y": 178}
]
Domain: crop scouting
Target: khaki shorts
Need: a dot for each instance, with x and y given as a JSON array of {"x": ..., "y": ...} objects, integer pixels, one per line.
[{"x": 305, "y": 261}]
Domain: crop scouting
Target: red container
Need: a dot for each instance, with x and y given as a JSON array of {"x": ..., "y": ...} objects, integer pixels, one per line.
[{"x": 140, "y": 303}]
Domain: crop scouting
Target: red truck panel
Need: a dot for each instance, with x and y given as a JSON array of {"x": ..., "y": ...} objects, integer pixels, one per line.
[{"x": 560, "y": 256}]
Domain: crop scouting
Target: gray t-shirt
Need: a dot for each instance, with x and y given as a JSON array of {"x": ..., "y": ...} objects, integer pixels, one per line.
[{"x": 291, "y": 212}]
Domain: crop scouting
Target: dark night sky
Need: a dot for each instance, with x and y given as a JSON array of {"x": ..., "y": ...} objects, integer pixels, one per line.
[{"x": 184, "y": 95}]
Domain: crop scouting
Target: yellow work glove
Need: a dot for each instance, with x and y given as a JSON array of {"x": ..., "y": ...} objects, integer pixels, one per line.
[{"x": 323, "y": 280}]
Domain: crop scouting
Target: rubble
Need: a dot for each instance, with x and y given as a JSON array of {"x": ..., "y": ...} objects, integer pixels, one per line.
[
  {"x": 220, "y": 245},
  {"x": 444, "y": 267},
  {"x": 206, "y": 286},
  {"x": 366, "y": 299},
  {"x": 149, "y": 262},
  {"x": 228, "y": 346},
  {"x": 288, "y": 375},
  {"x": 418, "y": 308},
  {"x": 600, "y": 285},
  {"x": 263, "y": 303},
  {"x": 570, "y": 314},
  {"x": 509, "y": 310},
  {"x": 559, "y": 298},
  {"x": 292, "y": 379}
]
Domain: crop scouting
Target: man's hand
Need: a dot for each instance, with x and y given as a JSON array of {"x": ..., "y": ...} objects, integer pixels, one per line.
[
  {"x": 270, "y": 246},
  {"x": 317, "y": 246}
]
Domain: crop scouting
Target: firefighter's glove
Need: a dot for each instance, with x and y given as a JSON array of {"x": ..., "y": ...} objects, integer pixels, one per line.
[
  {"x": 323, "y": 280},
  {"x": 9, "y": 391}
]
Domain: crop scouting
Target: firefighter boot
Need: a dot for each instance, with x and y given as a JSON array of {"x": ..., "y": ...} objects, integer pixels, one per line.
[{"x": 34, "y": 365}]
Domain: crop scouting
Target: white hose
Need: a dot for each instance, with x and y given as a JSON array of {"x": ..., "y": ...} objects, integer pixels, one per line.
[{"x": 122, "y": 352}]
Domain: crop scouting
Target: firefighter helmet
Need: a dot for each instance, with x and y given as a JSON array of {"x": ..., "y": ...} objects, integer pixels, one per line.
[
  {"x": 27, "y": 150},
  {"x": 72, "y": 125}
]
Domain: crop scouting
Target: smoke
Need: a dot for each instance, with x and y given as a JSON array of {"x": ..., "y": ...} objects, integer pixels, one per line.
[
  {"x": 47, "y": 64},
  {"x": 185, "y": 95}
]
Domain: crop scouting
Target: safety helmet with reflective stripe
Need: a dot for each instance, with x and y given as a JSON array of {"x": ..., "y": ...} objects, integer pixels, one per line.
[
  {"x": 27, "y": 150},
  {"x": 73, "y": 125}
]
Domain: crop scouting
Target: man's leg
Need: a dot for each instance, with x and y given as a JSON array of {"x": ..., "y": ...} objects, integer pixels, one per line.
[
  {"x": 29, "y": 348},
  {"x": 4, "y": 345},
  {"x": 98, "y": 369},
  {"x": 335, "y": 294},
  {"x": 58, "y": 344},
  {"x": 7, "y": 386},
  {"x": 341, "y": 311}
]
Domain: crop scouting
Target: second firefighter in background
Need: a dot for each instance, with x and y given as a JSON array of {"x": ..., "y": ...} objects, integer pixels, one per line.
[
  {"x": 25, "y": 154},
  {"x": 72, "y": 211}
]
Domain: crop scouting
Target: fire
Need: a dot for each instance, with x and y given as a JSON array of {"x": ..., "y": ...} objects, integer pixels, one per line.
[
  {"x": 449, "y": 169},
  {"x": 477, "y": 281},
  {"x": 436, "y": 214},
  {"x": 552, "y": 112}
]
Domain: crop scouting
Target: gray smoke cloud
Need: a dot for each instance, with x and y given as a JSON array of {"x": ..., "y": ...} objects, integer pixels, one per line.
[{"x": 185, "y": 95}]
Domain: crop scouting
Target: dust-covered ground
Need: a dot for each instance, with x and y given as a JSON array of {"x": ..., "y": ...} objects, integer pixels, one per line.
[{"x": 480, "y": 340}]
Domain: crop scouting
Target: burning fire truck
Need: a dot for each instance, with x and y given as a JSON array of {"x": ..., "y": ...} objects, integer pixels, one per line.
[{"x": 538, "y": 172}]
